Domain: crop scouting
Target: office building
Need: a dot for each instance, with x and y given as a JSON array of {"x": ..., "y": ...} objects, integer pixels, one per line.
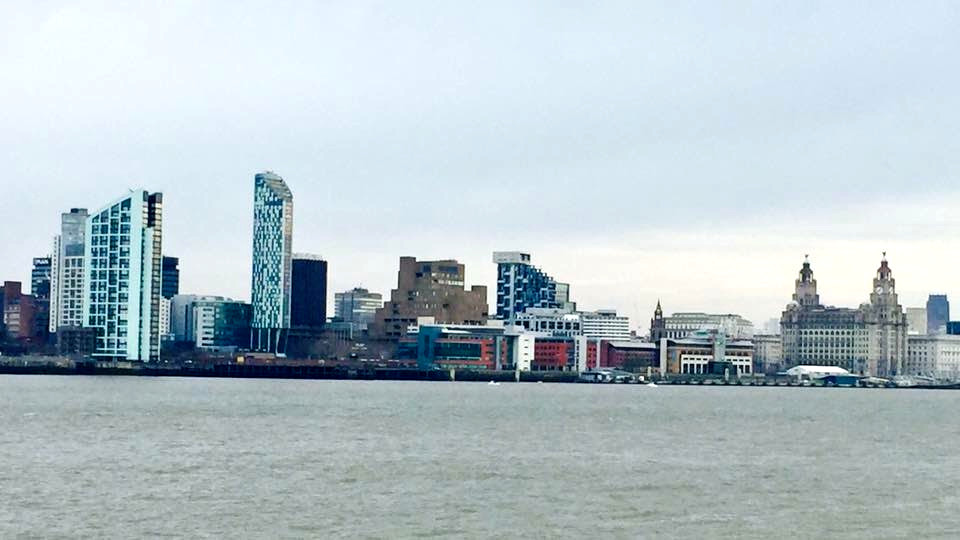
[
  {"x": 181, "y": 313},
  {"x": 40, "y": 280},
  {"x": 357, "y": 307},
  {"x": 681, "y": 325},
  {"x": 270, "y": 289},
  {"x": 706, "y": 352},
  {"x": 67, "y": 274},
  {"x": 486, "y": 347},
  {"x": 869, "y": 340},
  {"x": 76, "y": 341},
  {"x": 170, "y": 277},
  {"x": 122, "y": 278},
  {"x": 633, "y": 356},
  {"x": 212, "y": 323},
  {"x": 219, "y": 325},
  {"x": 917, "y": 320},
  {"x": 165, "y": 307},
  {"x": 429, "y": 289},
  {"x": 40, "y": 277},
  {"x": 767, "y": 353},
  {"x": 563, "y": 353},
  {"x": 563, "y": 297},
  {"x": 520, "y": 286},
  {"x": 933, "y": 355},
  {"x": 938, "y": 314},
  {"x": 602, "y": 324},
  {"x": 17, "y": 312},
  {"x": 308, "y": 292},
  {"x": 605, "y": 324}
]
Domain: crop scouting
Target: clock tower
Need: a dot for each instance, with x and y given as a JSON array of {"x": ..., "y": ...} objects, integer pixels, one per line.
[
  {"x": 805, "y": 287},
  {"x": 886, "y": 324}
]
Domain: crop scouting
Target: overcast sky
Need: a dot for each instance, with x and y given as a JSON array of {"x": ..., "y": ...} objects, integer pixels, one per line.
[{"x": 692, "y": 153}]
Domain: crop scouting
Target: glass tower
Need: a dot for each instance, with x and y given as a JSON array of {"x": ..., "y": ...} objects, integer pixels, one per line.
[
  {"x": 938, "y": 314},
  {"x": 122, "y": 280},
  {"x": 272, "y": 262}
]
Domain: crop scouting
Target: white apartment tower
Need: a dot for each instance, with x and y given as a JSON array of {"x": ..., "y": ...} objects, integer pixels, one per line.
[{"x": 122, "y": 279}]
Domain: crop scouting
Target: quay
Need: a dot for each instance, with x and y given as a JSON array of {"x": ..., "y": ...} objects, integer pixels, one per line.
[{"x": 359, "y": 371}]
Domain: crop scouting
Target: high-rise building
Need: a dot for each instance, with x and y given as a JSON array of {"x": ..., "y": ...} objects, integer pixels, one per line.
[
  {"x": 122, "y": 278},
  {"x": 429, "y": 289},
  {"x": 938, "y": 314},
  {"x": 40, "y": 277},
  {"x": 308, "y": 292},
  {"x": 520, "y": 285},
  {"x": 40, "y": 290},
  {"x": 916, "y": 320},
  {"x": 272, "y": 262},
  {"x": 357, "y": 307},
  {"x": 67, "y": 274},
  {"x": 170, "y": 277},
  {"x": 869, "y": 340}
]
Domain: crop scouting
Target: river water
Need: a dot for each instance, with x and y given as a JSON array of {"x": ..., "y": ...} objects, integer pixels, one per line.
[{"x": 128, "y": 457}]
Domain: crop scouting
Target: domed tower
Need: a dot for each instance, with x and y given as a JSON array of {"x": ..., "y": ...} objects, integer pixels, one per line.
[
  {"x": 886, "y": 325},
  {"x": 805, "y": 287},
  {"x": 884, "y": 286}
]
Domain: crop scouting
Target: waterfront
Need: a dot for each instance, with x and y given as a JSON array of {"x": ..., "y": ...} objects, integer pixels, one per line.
[{"x": 202, "y": 457}]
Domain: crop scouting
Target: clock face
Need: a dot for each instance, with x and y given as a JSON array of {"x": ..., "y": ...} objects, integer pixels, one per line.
[{"x": 879, "y": 290}]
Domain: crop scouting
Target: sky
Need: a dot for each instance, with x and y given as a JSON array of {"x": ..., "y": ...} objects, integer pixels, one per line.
[{"x": 681, "y": 151}]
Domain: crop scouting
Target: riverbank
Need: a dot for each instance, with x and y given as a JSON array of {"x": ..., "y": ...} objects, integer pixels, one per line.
[{"x": 375, "y": 373}]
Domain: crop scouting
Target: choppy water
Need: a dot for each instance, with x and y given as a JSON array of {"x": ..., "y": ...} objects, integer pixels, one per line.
[{"x": 130, "y": 457}]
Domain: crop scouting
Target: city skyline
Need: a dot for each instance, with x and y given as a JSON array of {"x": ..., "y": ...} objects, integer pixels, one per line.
[
  {"x": 848, "y": 296},
  {"x": 636, "y": 165}
]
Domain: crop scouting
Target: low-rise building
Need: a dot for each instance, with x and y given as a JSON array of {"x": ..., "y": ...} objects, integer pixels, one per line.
[
  {"x": 488, "y": 347},
  {"x": 681, "y": 325},
  {"x": 76, "y": 341},
  {"x": 933, "y": 355},
  {"x": 18, "y": 312},
  {"x": 213, "y": 323},
  {"x": 633, "y": 356},
  {"x": 220, "y": 325},
  {"x": 603, "y": 324},
  {"x": 706, "y": 353}
]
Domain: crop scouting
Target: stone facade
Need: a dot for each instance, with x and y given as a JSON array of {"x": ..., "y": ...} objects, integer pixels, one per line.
[
  {"x": 933, "y": 355},
  {"x": 870, "y": 340}
]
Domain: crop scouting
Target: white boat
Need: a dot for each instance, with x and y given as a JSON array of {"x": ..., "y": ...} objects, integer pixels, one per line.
[
  {"x": 494, "y": 383},
  {"x": 651, "y": 384}
]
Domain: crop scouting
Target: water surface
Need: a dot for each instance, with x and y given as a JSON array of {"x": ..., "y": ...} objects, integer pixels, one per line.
[{"x": 125, "y": 457}]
